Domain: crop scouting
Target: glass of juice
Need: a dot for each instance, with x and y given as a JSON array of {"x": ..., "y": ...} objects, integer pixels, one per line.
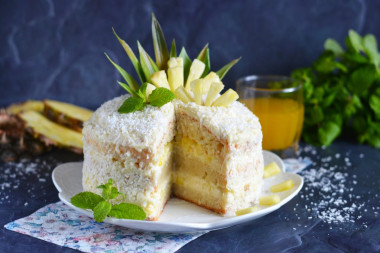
[{"x": 278, "y": 103}]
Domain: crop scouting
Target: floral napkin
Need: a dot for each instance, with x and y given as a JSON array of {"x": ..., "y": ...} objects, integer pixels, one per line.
[{"x": 59, "y": 224}]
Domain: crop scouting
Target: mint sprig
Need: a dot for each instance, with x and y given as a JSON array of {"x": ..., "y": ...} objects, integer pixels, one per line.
[{"x": 101, "y": 206}]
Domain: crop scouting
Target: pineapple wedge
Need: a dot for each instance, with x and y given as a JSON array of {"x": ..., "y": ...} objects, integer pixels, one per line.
[
  {"x": 212, "y": 77},
  {"x": 271, "y": 170},
  {"x": 247, "y": 210},
  {"x": 29, "y": 105},
  {"x": 159, "y": 79},
  {"x": 286, "y": 185},
  {"x": 175, "y": 62},
  {"x": 213, "y": 92},
  {"x": 149, "y": 89},
  {"x": 183, "y": 94},
  {"x": 175, "y": 76},
  {"x": 196, "y": 88},
  {"x": 269, "y": 200},
  {"x": 227, "y": 98},
  {"x": 196, "y": 71},
  {"x": 51, "y": 133},
  {"x": 66, "y": 114}
]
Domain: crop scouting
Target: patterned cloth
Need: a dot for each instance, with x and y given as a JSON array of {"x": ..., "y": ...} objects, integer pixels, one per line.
[{"x": 59, "y": 224}]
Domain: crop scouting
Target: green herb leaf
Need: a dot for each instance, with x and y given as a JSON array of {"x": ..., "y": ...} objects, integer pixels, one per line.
[
  {"x": 374, "y": 103},
  {"x": 147, "y": 64},
  {"x": 128, "y": 211},
  {"x": 86, "y": 200},
  {"x": 132, "y": 104},
  {"x": 333, "y": 45},
  {"x": 370, "y": 47},
  {"x": 328, "y": 132},
  {"x": 101, "y": 210},
  {"x": 127, "y": 77},
  {"x": 223, "y": 71},
  {"x": 325, "y": 63},
  {"x": 132, "y": 57},
  {"x": 173, "y": 50},
  {"x": 160, "y": 96},
  {"x": 186, "y": 63},
  {"x": 361, "y": 79},
  {"x": 142, "y": 91},
  {"x": 159, "y": 43},
  {"x": 356, "y": 40}
]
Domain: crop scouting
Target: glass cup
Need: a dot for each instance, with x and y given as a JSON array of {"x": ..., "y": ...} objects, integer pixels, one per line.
[{"x": 278, "y": 103}]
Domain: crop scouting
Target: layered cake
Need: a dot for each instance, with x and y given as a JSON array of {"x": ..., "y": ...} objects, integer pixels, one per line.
[{"x": 175, "y": 134}]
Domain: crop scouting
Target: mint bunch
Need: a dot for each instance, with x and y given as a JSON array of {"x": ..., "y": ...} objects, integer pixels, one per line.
[
  {"x": 101, "y": 206},
  {"x": 342, "y": 92}
]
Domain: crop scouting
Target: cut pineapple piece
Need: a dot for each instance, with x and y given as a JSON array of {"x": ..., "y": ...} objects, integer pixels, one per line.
[
  {"x": 175, "y": 62},
  {"x": 196, "y": 88},
  {"x": 51, "y": 133},
  {"x": 196, "y": 71},
  {"x": 271, "y": 170},
  {"x": 149, "y": 89},
  {"x": 175, "y": 76},
  {"x": 227, "y": 98},
  {"x": 213, "y": 92},
  {"x": 30, "y": 105},
  {"x": 247, "y": 210},
  {"x": 182, "y": 94},
  {"x": 66, "y": 114},
  {"x": 269, "y": 200},
  {"x": 159, "y": 79},
  {"x": 286, "y": 185},
  {"x": 212, "y": 77}
]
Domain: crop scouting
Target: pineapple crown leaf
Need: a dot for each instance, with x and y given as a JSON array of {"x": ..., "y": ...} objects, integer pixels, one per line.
[
  {"x": 159, "y": 44},
  {"x": 223, "y": 71},
  {"x": 173, "y": 49}
]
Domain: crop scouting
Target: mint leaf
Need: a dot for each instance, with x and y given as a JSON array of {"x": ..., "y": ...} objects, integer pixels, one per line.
[
  {"x": 328, "y": 132},
  {"x": 362, "y": 78},
  {"x": 101, "y": 210},
  {"x": 374, "y": 103},
  {"x": 142, "y": 91},
  {"x": 132, "y": 104},
  {"x": 160, "y": 96},
  {"x": 370, "y": 47},
  {"x": 333, "y": 45},
  {"x": 109, "y": 191},
  {"x": 86, "y": 200},
  {"x": 128, "y": 211},
  {"x": 356, "y": 40}
]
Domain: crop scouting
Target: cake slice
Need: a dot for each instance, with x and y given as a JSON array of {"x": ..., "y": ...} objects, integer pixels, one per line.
[
  {"x": 218, "y": 156},
  {"x": 133, "y": 149}
]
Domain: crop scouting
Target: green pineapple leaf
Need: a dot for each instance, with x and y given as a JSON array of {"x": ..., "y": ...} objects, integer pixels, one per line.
[
  {"x": 173, "y": 49},
  {"x": 159, "y": 44},
  {"x": 132, "y": 57},
  {"x": 128, "y": 89},
  {"x": 205, "y": 58},
  {"x": 186, "y": 63},
  {"x": 223, "y": 71},
  {"x": 127, "y": 77},
  {"x": 147, "y": 64}
]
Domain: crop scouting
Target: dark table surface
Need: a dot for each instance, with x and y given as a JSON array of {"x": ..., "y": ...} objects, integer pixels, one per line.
[{"x": 336, "y": 211}]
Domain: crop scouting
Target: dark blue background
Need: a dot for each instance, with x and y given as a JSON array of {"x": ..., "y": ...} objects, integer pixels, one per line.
[{"x": 54, "y": 49}]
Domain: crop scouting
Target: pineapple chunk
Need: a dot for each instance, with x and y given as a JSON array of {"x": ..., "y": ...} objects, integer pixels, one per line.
[
  {"x": 159, "y": 79},
  {"x": 175, "y": 76},
  {"x": 227, "y": 98},
  {"x": 286, "y": 185},
  {"x": 175, "y": 62},
  {"x": 196, "y": 71},
  {"x": 271, "y": 170},
  {"x": 269, "y": 200},
  {"x": 149, "y": 90},
  {"x": 212, "y": 77},
  {"x": 213, "y": 92},
  {"x": 247, "y": 210},
  {"x": 30, "y": 105},
  {"x": 196, "y": 88},
  {"x": 183, "y": 94}
]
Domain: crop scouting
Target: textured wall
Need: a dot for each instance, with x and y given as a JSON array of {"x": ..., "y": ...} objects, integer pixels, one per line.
[{"x": 54, "y": 49}]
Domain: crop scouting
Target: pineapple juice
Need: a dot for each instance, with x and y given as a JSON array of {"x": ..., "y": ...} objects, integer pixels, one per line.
[{"x": 281, "y": 120}]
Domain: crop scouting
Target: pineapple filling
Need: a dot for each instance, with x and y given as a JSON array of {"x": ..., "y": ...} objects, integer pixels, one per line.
[{"x": 192, "y": 148}]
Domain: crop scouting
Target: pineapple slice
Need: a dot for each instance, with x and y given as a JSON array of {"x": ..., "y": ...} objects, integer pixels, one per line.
[
  {"x": 51, "y": 133},
  {"x": 183, "y": 94},
  {"x": 286, "y": 185},
  {"x": 66, "y": 114},
  {"x": 227, "y": 98},
  {"x": 149, "y": 89},
  {"x": 271, "y": 170},
  {"x": 213, "y": 92},
  {"x": 175, "y": 62},
  {"x": 30, "y": 105},
  {"x": 212, "y": 77},
  {"x": 196, "y": 88},
  {"x": 175, "y": 76},
  {"x": 269, "y": 200},
  {"x": 196, "y": 71},
  {"x": 159, "y": 79},
  {"x": 247, "y": 210}
]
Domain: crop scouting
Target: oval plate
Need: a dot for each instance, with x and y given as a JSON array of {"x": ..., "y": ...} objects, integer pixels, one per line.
[{"x": 179, "y": 216}]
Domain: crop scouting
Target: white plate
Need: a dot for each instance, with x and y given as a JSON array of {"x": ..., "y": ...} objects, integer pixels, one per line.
[{"x": 179, "y": 215}]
